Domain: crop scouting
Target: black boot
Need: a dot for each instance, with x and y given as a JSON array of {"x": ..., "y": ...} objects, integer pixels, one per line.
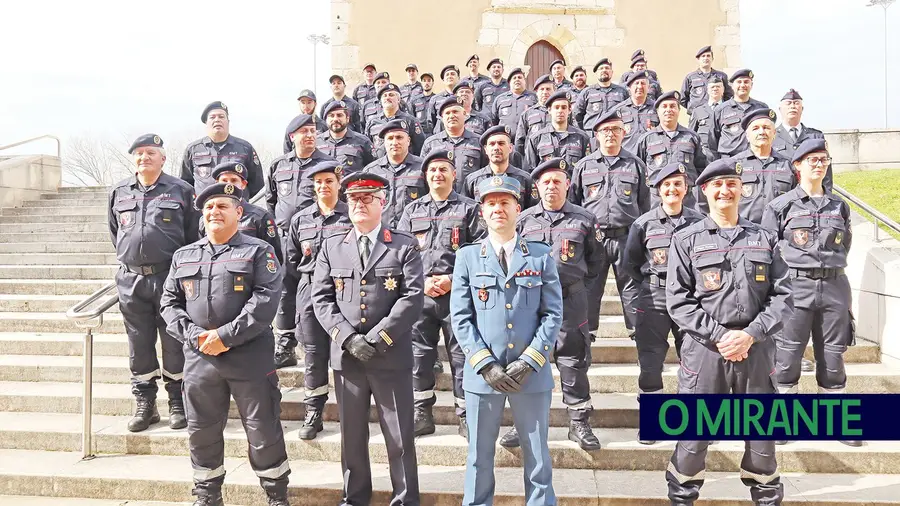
[
  {"x": 510, "y": 439},
  {"x": 581, "y": 433},
  {"x": 145, "y": 415},
  {"x": 209, "y": 498},
  {"x": 807, "y": 365},
  {"x": 279, "y": 501},
  {"x": 312, "y": 424},
  {"x": 853, "y": 443},
  {"x": 424, "y": 421},
  {"x": 644, "y": 441},
  {"x": 463, "y": 428},
  {"x": 177, "y": 420},
  {"x": 285, "y": 357},
  {"x": 438, "y": 367}
]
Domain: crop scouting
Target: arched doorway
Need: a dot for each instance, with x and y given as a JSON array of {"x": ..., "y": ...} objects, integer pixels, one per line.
[{"x": 539, "y": 57}]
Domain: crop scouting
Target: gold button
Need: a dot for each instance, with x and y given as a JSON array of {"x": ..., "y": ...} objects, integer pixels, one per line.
[
  {"x": 507, "y": 285},
  {"x": 509, "y": 325},
  {"x": 511, "y": 346},
  {"x": 362, "y": 282},
  {"x": 362, "y": 294},
  {"x": 529, "y": 284},
  {"x": 362, "y": 320},
  {"x": 362, "y": 306},
  {"x": 509, "y": 306},
  {"x": 546, "y": 347}
]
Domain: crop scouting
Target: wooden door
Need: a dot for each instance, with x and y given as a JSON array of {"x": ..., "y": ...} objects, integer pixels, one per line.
[{"x": 539, "y": 56}]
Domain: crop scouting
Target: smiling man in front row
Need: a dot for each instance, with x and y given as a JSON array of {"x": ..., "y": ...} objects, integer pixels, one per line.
[{"x": 506, "y": 310}]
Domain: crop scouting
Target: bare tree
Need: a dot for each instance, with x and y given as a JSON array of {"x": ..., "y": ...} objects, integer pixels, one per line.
[{"x": 92, "y": 162}]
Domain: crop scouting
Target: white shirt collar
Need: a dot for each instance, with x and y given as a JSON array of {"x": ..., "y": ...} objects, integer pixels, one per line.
[
  {"x": 509, "y": 246},
  {"x": 799, "y": 127},
  {"x": 373, "y": 235}
]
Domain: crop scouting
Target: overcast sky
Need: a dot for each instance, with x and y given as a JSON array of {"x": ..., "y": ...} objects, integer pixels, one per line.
[{"x": 99, "y": 68}]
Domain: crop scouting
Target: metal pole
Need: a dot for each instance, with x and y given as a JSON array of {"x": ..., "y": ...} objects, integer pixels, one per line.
[
  {"x": 316, "y": 82},
  {"x": 87, "y": 397},
  {"x": 886, "y": 5}
]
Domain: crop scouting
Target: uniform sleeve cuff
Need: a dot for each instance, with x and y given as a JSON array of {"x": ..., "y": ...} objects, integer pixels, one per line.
[
  {"x": 481, "y": 358},
  {"x": 226, "y": 335},
  {"x": 759, "y": 335},
  {"x": 534, "y": 358},
  {"x": 340, "y": 333}
]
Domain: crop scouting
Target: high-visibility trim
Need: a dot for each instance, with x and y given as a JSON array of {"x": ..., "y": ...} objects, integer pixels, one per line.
[
  {"x": 334, "y": 333},
  {"x": 786, "y": 389},
  {"x": 823, "y": 390},
  {"x": 478, "y": 356},
  {"x": 203, "y": 474},
  {"x": 316, "y": 392},
  {"x": 275, "y": 472},
  {"x": 385, "y": 337},
  {"x": 763, "y": 479},
  {"x": 683, "y": 478},
  {"x": 175, "y": 376},
  {"x": 535, "y": 355},
  {"x": 423, "y": 395},
  {"x": 460, "y": 402},
  {"x": 148, "y": 376},
  {"x": 581, "y": 405}
]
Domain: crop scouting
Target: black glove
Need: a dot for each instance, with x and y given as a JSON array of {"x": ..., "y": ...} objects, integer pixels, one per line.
[
  {"x": 359, "y": 347},
  {"x": 519, "y": 371},
  {"x": 497, "y": 378}
]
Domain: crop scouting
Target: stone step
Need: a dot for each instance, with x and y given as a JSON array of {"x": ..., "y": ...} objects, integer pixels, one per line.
[
  {"x": 53, "y": 236},
  {"x": 59, "y": 259},
  {"x": 54, "y": 227},
  {"x": 70, "y": 201},
  {"x": 53, "y": 210},
  {"x": 83, "y": 189},
  {"x": 87, "y": 194},
  {"x": 603, "y": 378},
  {"x": 60, "y": 272},
  {"x": 27, "y": 287},
  {"x": 315, "y": 483},
  {"x": 57, "y": 247},
  {"x": 620, "y": 452},
  {"x": 21, "y": 500},
  {"x": 42, "y": 303},
  {"x": 58, "y": 218}
]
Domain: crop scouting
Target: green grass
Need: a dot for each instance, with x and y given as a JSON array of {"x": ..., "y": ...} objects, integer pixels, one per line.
[{"x": 878, "y": 188}]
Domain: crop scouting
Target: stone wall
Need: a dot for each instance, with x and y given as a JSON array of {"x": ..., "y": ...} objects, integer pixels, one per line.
[
  {"x": 26, "y": 177},
  {"x": 853, "y": 150}
]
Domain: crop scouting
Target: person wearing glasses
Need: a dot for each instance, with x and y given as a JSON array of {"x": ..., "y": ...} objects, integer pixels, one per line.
[
  {"x": 368, "y": 293},
  {"x": 814, "y": 227}
]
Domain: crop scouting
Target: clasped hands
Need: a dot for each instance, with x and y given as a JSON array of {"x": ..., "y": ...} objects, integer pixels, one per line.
[
  {"x": 210, "y": 343},
  {"x": 735, "y": 345},
  {"x": 508, "y": 380},
  {"x": 435, "y": 286}
]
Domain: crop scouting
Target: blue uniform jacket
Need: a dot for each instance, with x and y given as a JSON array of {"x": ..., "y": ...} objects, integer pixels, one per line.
[{"x": 500, "y": 317}]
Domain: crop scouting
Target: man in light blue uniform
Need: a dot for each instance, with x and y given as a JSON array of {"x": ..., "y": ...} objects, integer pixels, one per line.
[{"x": 506, "y": 310}]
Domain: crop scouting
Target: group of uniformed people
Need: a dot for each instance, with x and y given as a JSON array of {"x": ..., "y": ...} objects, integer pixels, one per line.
[{"x": 487, "y": 215}]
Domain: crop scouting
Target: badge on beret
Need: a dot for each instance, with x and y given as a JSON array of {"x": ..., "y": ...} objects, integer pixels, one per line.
[
  {"x": 738, "y": 168},
  {"x": 156, "y": 140},
  {"x": 224, "y": 107},
  {"x": 562, "y": 165},
  {"x": 496, "y": 181},
  {"x": 750, "y": 74},
  {"x": 681, "y": 168},
  {"x": 342, "y": 103},
  {"x": 450, "y": 155},
  {"x": 339, "y": 170},
  {"x": 389, "y": 76},
  {"x": 771, "y": 114},
  {"x": 239, "y": 168},
  {"x": 677, "y": 96},
  {"x": 403, "y": 124},
  {"x": 229, "y": 189}
]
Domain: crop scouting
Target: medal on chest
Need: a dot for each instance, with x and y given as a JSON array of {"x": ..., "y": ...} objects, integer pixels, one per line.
[{"x": 454, "y": 238}]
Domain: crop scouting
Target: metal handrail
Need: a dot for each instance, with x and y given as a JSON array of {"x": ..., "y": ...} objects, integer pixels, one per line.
[
  {"x": 45, "y": 136},
  {"x": 80, "y": 316},
  {"x": 876, "y": 214}
]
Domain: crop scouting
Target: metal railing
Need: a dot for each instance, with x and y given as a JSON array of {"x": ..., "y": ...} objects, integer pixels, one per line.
[
  {"x": 90, "y": 319},
  {"x": 878, "y": 216},
  {"x": 26, "y": 141}
]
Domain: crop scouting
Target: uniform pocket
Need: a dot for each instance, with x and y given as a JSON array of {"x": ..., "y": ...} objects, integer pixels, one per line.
[
  {"x": 389, "y": 280},
  {"x": 758, "y": 264},
  {"x": 343, "y": 283},
  {"x": 240, "y": 277},
  {"x": 284, "y": 182},
  {"x": 188, "y": 278},
  {"x": 749, "y": 185},
  {"x": 784, "y": 182},
  {"x": 126, "y": 211},
  {"x": 658, "y": 248},
  {"x": 484, "y": 292},
  {"x": 168, "y": 211},
  {"x": 799, "y": 232},
  {"x": 626, "y": 187},
  {"x": 712, "y": 270},
  {"x": 528, "y": 294}
]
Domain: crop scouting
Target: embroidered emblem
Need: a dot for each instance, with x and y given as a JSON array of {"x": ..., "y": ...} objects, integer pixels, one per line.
[
  {"x": 126, "y": 219},
  {"x": 483, "y": 295},
  {"x": 189, "y": 286},
  {"x": 271, "y": 267},
  {"x": 270, "y": 231},
  {"x": 801, "y": 237},
  {"x": 747, "y": 190},
  {"x": 203, "y": 171},
  {"x": 660, "y": 255},
  {"x": 387, "y": 235},
  {"x": 712, "y": 279},
  {"x": 307, "y": 248},
  {"x": 838, "y": 237},
  {"x": 422, "y": 237},
  {"x": 390, "y": 283}
]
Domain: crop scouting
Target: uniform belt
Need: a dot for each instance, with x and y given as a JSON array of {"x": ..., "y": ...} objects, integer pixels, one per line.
[
  {"x": 572, "y": 289},
  {"x": 817, "y": 273},
  {"x": 657, "y": 281},
  {"x": 612, "y": 233},
  {"x": 148, "y": 270}
]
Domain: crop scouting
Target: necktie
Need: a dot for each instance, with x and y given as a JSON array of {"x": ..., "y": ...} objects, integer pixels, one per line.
[
  {"x": 364, "y": 250},
  {"x": 503, "y": 264},
  {"x": 794, "y": 134}
]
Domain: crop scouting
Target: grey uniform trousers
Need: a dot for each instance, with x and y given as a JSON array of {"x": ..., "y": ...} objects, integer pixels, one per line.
[
  {"x": 316, "y": 347},
  {"x": 615, "y": 250},
  {"x": 573, "y": 353},
  {"x": 435, "y": 319}
]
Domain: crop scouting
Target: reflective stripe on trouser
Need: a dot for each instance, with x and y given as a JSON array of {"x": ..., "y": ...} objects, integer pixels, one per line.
[
  {"x": 704, "y": 371},
  {"x": 628, "y": 289},
  {"x": 139, "y": 304},
  {"x": 286, "y": 319},
  {"x": 209, "y": 384},
  {"x": 434, "y": 321},
  {"x": 828, "y": 320},
  {"x": 573, "y": 356},
  {"x": 531, "y": 415},
  {"x": 316, "y": 348}
]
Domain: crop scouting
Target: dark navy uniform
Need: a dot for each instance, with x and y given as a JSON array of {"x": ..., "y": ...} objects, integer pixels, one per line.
[
  {"x": 508, "y": 107},
  {"x": 785, "y": 144},
  {"x": 638, "y": 121},
  {"x": 288, "y": 144},
  {"x": 615, "y": 191},
  {"x": 434, "y": 104},
  {"x": 147, "y": 225},
  {"x": 411, "y": 125},
  {"x": 487, "y": 92},
  {"x": 353, "y": 112},
  {"x": 309, "y": 229},
  {"x": 763, "y": 181},
  {"x": 476, "y": 122},
  {"x": 702, "y": 122},
  {"x": 353, "y": 151},
  {"x": 409, "y": 91},
  {"x": 233, "y": 289},
  {"x": 467, "y": 153},
  {"x": 418, "y": 108},
  {"x": 364, "y": 92},
  {"x": 727, "y": 136},
  {"x": 572, "y": 145},
  {"x": 532, "y": 120},
  {"x": 372, "y": 303},
  {"x": 694, "y": 92},
  {"x": 405, "y": 184},
  {"x": 594, "y": 102},
  {"x": 201, "y": 156},
  {"x": 658, "y": 148},
  {"x": 441, "y": 228}
]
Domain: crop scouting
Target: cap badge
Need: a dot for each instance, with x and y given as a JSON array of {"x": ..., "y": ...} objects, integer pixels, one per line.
[
  {"x": 156, "y": 140},
  {"x": 771, "y": 114},
  {"x": 738, "y": 168},
  {"x": 681, "y": 168},
  {"x": 450, "y": 155},
  {"x": 562, "y": 165},
  {"x": 229, "y": 189},
  {"x": 239, "y": 168},
  {"x": 497, "y": 181}
]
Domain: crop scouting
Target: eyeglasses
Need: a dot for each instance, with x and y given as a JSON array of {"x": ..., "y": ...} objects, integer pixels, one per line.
[
  {"x": 610, "y": 130},
  {"x": 365, "y": 199},
  {"x": 816, "y": 160}
]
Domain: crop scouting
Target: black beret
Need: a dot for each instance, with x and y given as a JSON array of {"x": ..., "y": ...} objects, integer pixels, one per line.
[
  {"x": 427, "y": 74},
  {"x": 603, "y": 61},
  {"x": 363, "y": 182},
  {"x": 218, "y": 190},
  {"x": 715, "y": 78},
  {"x": 755, "y": 114},
  {"x": 576, "y": 69},
  {"x": 394, "y": 124},
  {"x": 551, "y": 164},
  {"x": 741, "y": 73},
  {"x": 559, "y": 95},
  {"x": 218, "y": 104},
  {"x": 233, "y": 167},
  {"x": 412, "y": 66},
  {"x": 473, "y": 57},
  {"x": 300, "y": 121},
  {"x": 809, "y": 146},
  {"x": 513, "y": 72},
  {"x": 450, "y": 101},
  {"x": 637, "y": 75},
  {"x": 386, "y": 88},
  {"x": 495, "y": 130},
  {"x": 336, "y": 76},
  {"x": 638, "y": 53},
  {"x": 495, "y": 60},
  {"x": 704, "y": 49},
  {"x": 332, "y": 166},
  {"x": 465, "y": 83},
  {"x": 669, "y": 95},
  {"x": 367, "y": 65},
  {"x": 382, "y": 75},
  {"x": 639, "y": 60},
  {"x": 307, "y": 94},
  {"x": 438, "y": 154},
  {"x": 669, "y": 170},
  {"x": 722, "y": 168},
  {"x": 146, "y": 140},
  {"x": 333, "y": 106},
  {"x": 544, "y": 79},
  {"x": 792, "y": 95},
  {"x": 449, "y": 67},
  {"x": 610, "y": 115},
  {"x": 561, "y": 62}
]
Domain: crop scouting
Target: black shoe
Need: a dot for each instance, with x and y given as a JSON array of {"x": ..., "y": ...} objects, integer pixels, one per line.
[
  {"x": 807, "y": 365},
  {"x": 781, "y": 442},
  {"x": 853, "y": 443},
  {"x": 285, "y": 357},
  {"x": 145, "y": 415},
  {"x": 312, "y": 424},
  {"x": 438, "y": 367},
  {"x": 424, "y": 421},
  {"x": 581, "y": 433},
  {"x": 210, "y": 499},
  {"x": 463, "y": 428},
  {"x": 644, "y": 441},
  {"x": 510, "y": 439},
  {"x": 278, "y": 501},
  {"x": 177, "y": 420}
]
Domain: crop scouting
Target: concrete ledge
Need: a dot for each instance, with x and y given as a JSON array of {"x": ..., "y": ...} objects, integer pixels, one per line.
[
  {"x": 867, "y": 149},
  {"x": 27, "y": 177}
]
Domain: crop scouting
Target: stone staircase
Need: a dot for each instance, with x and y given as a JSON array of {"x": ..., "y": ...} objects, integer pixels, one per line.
[{"x": 56, "y": 250}]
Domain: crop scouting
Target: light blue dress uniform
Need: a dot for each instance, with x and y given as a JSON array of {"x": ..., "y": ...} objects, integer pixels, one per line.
[{"x": 501, "y": 317}]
